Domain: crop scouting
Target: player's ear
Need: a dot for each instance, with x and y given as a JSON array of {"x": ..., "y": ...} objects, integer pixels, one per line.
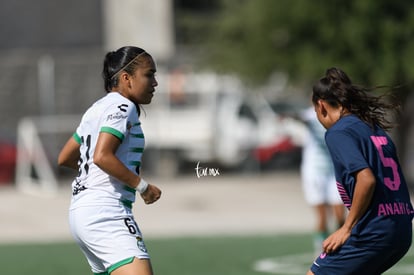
[
  {"x": 125, "y": 77},
  {"x": 322, "y": 107}
]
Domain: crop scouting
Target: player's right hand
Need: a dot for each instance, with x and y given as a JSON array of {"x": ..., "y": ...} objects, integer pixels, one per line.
[
  {"x": 152, "y": 194},
  {"x": 336, "y": 240}
]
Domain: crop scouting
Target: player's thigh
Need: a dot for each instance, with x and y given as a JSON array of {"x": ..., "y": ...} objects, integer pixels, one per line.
[
  {"x": 350, "y": 259},
  {"x": 392, "y": 257},
  {"x": 136, "y": 267}
]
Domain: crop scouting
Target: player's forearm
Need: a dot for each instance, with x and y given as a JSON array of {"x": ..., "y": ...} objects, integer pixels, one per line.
[
  {"x": 111, "y": 165},
  {"x": 68, "y": 162},
  {"x": 364, "y": 190},
  {"x": 69, "y": 155}
]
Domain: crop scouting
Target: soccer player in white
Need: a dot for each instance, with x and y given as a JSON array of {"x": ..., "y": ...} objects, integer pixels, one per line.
[
  {"x": 106, "y": 149},
  {"x": 318, "y": 179}
]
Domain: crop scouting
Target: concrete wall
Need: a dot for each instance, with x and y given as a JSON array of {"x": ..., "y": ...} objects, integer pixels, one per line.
[
  {"x": 146, "y": 24},
  {"x": 49, "y": 24}
]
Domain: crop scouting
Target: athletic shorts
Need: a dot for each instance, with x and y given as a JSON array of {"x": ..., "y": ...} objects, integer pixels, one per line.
[
  {"x": 107, "y": 235},
  {"x": 319, "y": 188},
  {"x": 360, "y": 260}
]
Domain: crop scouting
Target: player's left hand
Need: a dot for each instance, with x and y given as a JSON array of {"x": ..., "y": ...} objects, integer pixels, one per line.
[
  {"x": 152, "y": 194},
  {"x": 336, "y": 240}
]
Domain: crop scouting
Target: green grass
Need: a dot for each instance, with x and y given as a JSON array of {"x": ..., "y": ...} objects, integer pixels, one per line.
[
  {"x": 220, "y": 255},
  {"x": 181, "y": 256}
]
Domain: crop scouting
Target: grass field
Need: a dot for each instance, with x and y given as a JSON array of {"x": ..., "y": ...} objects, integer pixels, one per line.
[{"x": 236, "y": 255}]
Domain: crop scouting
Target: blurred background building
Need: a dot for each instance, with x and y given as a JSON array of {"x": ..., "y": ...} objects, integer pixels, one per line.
[
  {"x": 52, "y": 51},
  {"x": 51, "y": 56}
]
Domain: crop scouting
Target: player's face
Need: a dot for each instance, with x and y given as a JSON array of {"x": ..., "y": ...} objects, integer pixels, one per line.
[{"x": 143, "y": 82}]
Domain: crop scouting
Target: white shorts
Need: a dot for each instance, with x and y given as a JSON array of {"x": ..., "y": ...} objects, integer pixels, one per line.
[
  {"x": 319, "y": 188},
  {"x": 107, "y": 235}
]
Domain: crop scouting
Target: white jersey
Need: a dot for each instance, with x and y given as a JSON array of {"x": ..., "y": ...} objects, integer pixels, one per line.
[
  {"x": 315, "y": 151},
  {"x": 117, "y": 115},
  {"x": 317, "y": 171}
]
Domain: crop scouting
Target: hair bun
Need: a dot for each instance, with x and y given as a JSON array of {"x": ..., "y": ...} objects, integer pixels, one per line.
[{"x": 337, "y": 76}]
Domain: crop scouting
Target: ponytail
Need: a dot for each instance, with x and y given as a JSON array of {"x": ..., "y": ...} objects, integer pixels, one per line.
[{"x": 337, "y": 89}]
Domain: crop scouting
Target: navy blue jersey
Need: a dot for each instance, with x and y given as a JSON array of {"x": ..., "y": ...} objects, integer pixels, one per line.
[{"x": 353, "y": 146}]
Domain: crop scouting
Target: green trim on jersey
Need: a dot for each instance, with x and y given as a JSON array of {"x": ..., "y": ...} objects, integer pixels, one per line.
[
  {"x": 136, "y": 149},
  {"x": 103, "y": 273},
  {"x": 137, "y": 135},
  {"x": 134, "y": 162},
  {"x": 113, "y": 131},
  {"x": 127, "y": 203},
  {"x": 127, "y": 188},
  {"x": 119, "y": 264},
  {"x": 77, "y": 138}
]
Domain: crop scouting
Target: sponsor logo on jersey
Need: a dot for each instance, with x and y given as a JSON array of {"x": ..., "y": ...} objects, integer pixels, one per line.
[
  {"x": 116, "y": 116},
  {"x": 122, "y": 107}
]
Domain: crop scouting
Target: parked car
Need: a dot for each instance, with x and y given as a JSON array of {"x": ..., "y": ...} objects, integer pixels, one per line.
[
  {"x": 8, "y": 155},
  {"x": 285, "y": 149},
  {"x": 207, "y": 118}
]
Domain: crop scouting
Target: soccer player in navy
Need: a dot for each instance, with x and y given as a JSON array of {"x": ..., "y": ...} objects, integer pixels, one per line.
[{"x": 377, "y": 232}]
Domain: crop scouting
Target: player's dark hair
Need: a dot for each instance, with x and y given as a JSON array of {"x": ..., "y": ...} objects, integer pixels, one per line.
[
  {"x": 337, "y": 90},
  {"x": 124, "y": 59}
]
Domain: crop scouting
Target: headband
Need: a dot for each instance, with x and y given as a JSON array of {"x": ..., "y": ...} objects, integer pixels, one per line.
[{"x": 129, "y": 63}]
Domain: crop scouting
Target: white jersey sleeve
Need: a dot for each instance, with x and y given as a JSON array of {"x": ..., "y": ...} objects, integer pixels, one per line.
[{"x": 118, "y": 116}]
